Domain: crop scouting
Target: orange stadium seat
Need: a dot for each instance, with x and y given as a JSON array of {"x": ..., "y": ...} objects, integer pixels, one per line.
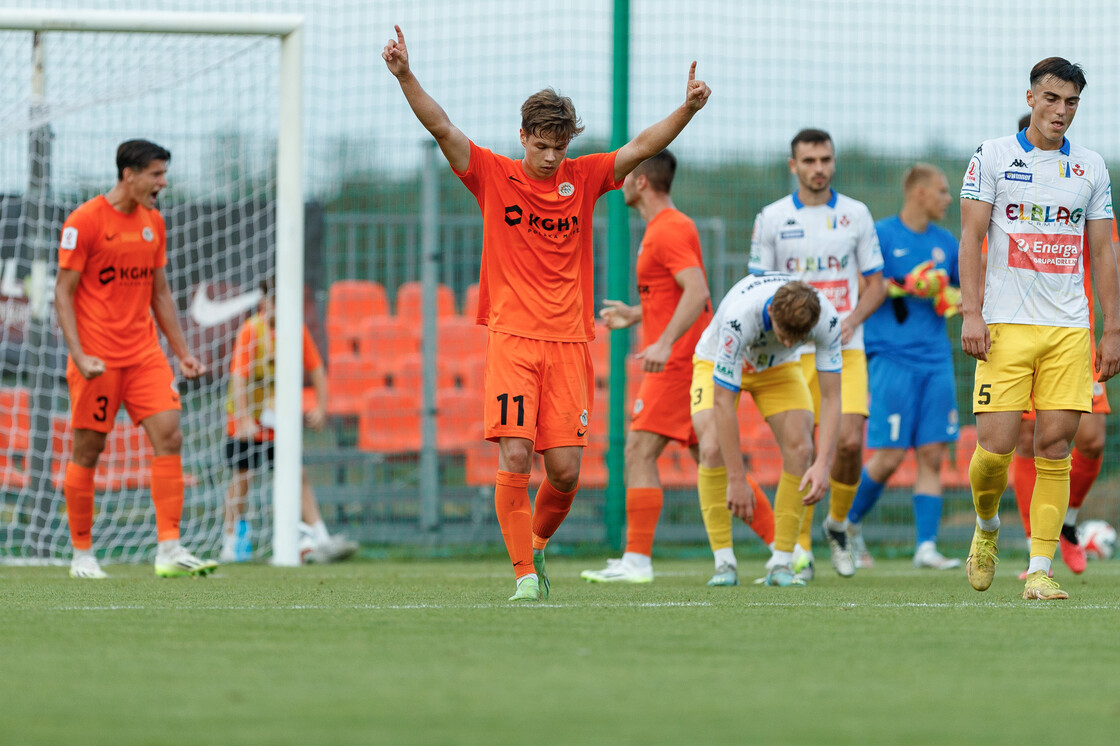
[
  {"x": 387, "y": 424},
  {"x": 410, "y": 300},
  {"x": 348, "y": 379},
  {"x": 470, "y": 302},
  {"x": 955, "y": 472},
  {"x": 349, "y": 303},
  {"x": 407, "y": 374},
  {"x": 458, "y": 419},
  {"x": 15, "y": 436},
  {"x": 126, "y": 462},
  {"x": 460, "y": 342},
  {"x": 475, "y": 369},
  {"x": 385, "y": 338}
]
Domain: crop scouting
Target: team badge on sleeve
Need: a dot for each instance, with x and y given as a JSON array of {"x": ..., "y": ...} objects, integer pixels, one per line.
[
  {"x": 69, "y": 238},
  {"x": 972, "y": 177}
]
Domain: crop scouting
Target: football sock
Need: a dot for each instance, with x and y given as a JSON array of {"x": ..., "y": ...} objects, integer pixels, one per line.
[
  {"x": 725, "y": 556},
  {"x": 711, "y": 484},
  {"x": 805, "y": 532},
  {"x": 1039, "y": 563},
  {"x": 319, "y": 533},
  {"x": 511, "y": 503},
  {"x": 634, "y": 559},
  {"x": 1083, "y": 472},
  {"x": 763, "y": 521},
  {"x": 987, "y": 474},
  {"x": 841, "y": 500},
  {"x": 1071, "y": 515},
  {"x": 1048, "y": 504},
  {"x": 788, "y": 512},
  {"x": 1022, "y": 470},
  {"x": 927, "y": 516},
  {"x": 549, "y": 511},
  {"x": 643, "y": 508},
  {"x": 167, "y": 495},
  {"x": 77, "y": 489},
  {"x": 867, "y": 495}
]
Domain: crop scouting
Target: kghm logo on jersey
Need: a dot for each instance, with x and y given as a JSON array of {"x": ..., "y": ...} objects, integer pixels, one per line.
[
  {"x": 551, "y": 227},
  {"x": 1068, "y": 170},
  {"x": 1045, "y": 213}
]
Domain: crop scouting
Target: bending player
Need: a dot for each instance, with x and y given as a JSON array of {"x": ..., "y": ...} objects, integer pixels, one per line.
[
  {"x": 1039, "y": 199},
  {"x": 828, "y": 240},
  {"x": 111, "y": 283},
  {"x": 753, "y": 345},
  {"x": 250, "y": 441},
  {"x": 910, "y": 368},
  {"x": 674, "y": 311},
  {"x": 536, "y": 295}
]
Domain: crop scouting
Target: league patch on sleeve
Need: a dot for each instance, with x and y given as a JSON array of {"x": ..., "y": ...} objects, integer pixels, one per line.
[
  {"x": 69, "y": 238},
  {"x": 972, "y": 177}
]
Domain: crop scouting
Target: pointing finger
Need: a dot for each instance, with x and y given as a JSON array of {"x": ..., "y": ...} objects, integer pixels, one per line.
[
  {"x": 692, "y": 72},
  {"x": 400, "y": 34}
]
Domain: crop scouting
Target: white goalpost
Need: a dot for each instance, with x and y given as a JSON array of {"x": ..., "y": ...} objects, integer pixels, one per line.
[{"x": 215, "y": 90}]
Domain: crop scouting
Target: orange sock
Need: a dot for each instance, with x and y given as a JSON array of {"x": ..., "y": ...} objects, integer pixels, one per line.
[
  {"x": 77, "y": 488},
  {"x": 763, "y": 523},
  {"x": 167, "y": 495},
  {"x": 1083, "y": 472},
  {"x": 511, "y": 502},
  {"x": 643, "y": 508},
  {"x": 549, "y": 511},
  {"x": 1022, "y": 477}
]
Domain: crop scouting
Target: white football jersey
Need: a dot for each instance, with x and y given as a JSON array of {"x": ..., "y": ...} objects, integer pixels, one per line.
[
  {"x": 828, "y": 246},
  {"x": 741, "y": 337},
  {"x": 1040, "y": 202}
]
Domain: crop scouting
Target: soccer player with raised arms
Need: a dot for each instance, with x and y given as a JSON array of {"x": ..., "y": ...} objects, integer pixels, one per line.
[
  {"x": 828, "y": 240},
  {"x": 535, "y": 295},
  {"x": 754, "y": 344},
  {"x": 675, "y": 309},
  {"x": 111, "y": 283},
  {"x": 1042, "y": 201}
]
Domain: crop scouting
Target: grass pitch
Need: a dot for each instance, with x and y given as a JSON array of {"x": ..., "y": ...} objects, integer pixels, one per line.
[{"x": 401, "y": 652}]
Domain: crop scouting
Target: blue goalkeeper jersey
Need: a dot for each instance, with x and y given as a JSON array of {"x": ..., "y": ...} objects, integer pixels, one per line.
[{"x": 908, "y": 329}]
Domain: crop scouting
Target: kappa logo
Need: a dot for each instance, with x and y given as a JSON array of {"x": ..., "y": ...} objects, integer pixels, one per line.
[
  {"x": 980, "y": 150},
  {"x": 791, "y": 221},
  {"x": 833, "y": 322},
  {"x": 734, "y": 324},
  {"x": 1017, "y": 163},
  {"x": 208, "y": 312}
]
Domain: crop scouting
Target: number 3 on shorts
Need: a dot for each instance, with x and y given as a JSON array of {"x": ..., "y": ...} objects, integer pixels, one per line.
[{"x": 984, "y": 395}]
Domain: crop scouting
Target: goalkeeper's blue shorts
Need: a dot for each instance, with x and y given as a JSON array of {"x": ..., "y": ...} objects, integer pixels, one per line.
[{"x": 910, "y": 406}]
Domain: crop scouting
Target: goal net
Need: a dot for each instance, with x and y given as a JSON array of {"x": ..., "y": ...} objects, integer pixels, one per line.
[{"x": 71, "y": 97}]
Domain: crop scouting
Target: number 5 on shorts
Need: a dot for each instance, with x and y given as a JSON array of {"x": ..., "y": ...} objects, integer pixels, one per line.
[{"x": 984, "y": 395}]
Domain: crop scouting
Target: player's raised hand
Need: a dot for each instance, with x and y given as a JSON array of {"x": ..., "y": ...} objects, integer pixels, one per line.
[
  {"x": 697, "y": 92},
  {"x": 395, "y": 54},
  {"x": 191, "y": 367}
]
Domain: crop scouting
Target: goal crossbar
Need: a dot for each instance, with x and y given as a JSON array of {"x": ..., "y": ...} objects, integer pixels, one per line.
[{"x": 287, "y": 475}]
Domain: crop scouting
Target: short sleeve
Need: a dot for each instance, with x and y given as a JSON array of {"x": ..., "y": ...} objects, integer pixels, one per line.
[
  {"x": 242, "y": 358},
  {"x": 979, "y": 182},
  {"x": 867, "y": 250},
  {"x": 763, "y": 252},
  {"x": 79, "y": 234},
  {"x": 1100, "y": 200},
  {"x": 826, "y": 337},
  {"x": 728, "y": 366},
  {"x": 311, "y": 357},
  {"x": 161, "y": 232}
]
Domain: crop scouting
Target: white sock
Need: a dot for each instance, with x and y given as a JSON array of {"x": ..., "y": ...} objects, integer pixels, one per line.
[
  {"x": 319, "y": 531},
  {"x": 988, "y": 524},
  {"x": 523, "y": 578},
  {"x": 83, "y": 553},
  {"x": 1039, "y": 563},
  {"x": 229, "y": 542},
  {"x": 931, "y": 546},
  {"x": 781, "y": 558},
  {"x": 725, "y": 556},
  {"x": 167, "y": 547},
  {"x": 1071, "y": 516},
  {"x": 637, "y": 561}
]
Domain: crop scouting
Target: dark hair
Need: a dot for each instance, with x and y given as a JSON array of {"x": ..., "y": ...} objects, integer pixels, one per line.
[
  {"x": 547, "y": 113},
  {"x": 658, "y": 170},
  {"x": 1024, "y": 121},
  {"x": 797, "y": 308},
  {"x": 808, "y": 136},
  {"x": 137, "y": 154},
  {"x": 1060, "y": 68}
]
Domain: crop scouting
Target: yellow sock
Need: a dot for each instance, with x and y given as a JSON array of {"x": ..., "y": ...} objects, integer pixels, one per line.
[
  {"x": 1048, "y": 504},
  {"x": 840, "y": 502},
  {"x": 805, "y": 536},
  {"x": 987, "y": 473},
  {"x": 712, "y": 486},
  {"x": 788, "y": 512}
]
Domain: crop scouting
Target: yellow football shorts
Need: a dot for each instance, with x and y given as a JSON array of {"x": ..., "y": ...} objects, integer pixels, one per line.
[{"x": 1052, "y": 363}]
